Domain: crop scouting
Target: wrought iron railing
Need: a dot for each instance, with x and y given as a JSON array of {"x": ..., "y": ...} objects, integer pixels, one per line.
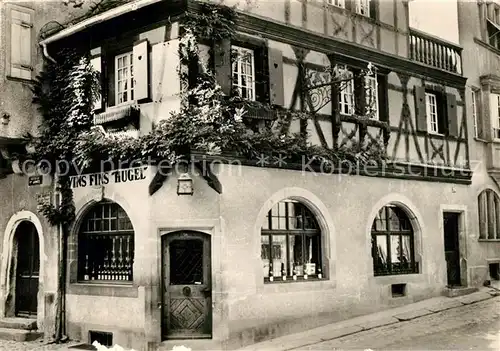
[
  {"x": 435, "y": 52},
  {"x": 396, "y": 268}
]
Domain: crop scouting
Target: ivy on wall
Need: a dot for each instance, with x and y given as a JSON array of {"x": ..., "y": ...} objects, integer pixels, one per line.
[{"x": 208, "y": 121}]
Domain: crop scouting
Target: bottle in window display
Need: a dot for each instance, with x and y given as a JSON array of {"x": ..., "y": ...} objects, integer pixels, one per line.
[
  {"x": 271, "y": 277},
  {"x": 283, "y": 271},
  {"x": 319, "y": 273},
  {"x": 86, "y": 269}
]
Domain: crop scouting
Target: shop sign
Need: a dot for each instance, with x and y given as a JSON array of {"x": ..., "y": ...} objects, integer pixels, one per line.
[
  {"x": 35, "y": 180},
  {"x": 117, "y": 176}
]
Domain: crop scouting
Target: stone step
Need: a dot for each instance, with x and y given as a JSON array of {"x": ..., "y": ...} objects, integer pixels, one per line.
[
  {"x": 459, "y": 291},
  {"x": 19, "y": 334},
  {"x": 18, "y": 323}
]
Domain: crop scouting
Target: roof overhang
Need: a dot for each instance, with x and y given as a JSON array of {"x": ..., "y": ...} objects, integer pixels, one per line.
[{"x": 102, "y": 17}]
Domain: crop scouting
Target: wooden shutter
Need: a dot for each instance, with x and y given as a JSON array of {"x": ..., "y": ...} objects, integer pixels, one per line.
[
  {"x": 420, "y": 111},
  {"x": 96, "y": 63},
  {"x": 222, "y": 62},
  {"x": 383, "y": 104},
  {"x": 451, "y": 110},
  {"x": 276, "y": 87},
  {"x": 21, "y": 61},
  {"x": 141, "y": 70},
  {"x": 373, "y": 8}
]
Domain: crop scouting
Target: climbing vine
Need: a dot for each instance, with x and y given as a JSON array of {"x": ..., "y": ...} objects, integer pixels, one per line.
[{"x": 208, "y": 120}]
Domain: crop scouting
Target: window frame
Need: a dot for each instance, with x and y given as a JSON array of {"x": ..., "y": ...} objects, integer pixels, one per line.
[
  {"x": 488, "y": 218},
  {"x": 495, "y": 115},
  {"x": 130, "y": 78},
  {"x": 337, "y": 3},
  {"x": 108, "y": 276},
  {"x": 474, "y": 111},
  {"x": 238, "y": 62},
  {"x": 363, "y": 5},
  {"x": 9, "y": 7},
  {"x": 268, "y": 232},
  {"x": 441, "y": 122},
  {"x": 389, "y": 233},
  {"x": 374, "y": 105}
]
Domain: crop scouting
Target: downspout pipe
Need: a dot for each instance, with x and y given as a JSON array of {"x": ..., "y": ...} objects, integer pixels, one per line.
[{"x": 46, "y": 52}]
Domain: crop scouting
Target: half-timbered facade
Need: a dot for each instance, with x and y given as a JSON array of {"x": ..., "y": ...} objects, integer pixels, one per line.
[{"x": 264, "y": 247}]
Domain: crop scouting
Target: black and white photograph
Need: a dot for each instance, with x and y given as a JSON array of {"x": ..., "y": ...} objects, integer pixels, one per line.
[{"x": 259, "y": 175}]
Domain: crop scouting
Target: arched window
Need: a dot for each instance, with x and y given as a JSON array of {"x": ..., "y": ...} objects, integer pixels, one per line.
[
  {"x": 393, "y": 247},
  {"x": 489, "y": 215},
  {"x": 106, "y": 244},
  {"x": 290, "y": 243}
]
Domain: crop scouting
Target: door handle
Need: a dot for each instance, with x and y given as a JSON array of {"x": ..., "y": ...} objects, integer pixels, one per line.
[{"x": 207, "y": 292}]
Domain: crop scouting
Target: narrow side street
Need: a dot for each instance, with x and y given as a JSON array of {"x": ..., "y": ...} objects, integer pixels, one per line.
[{"x": 470, "y": 327}]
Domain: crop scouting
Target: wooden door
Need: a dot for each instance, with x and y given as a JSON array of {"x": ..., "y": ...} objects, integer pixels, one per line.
[
  {"x": 27, "y": 269},
  {"x": 451, "y": 247},
  {"x": 187, "y": 286}
]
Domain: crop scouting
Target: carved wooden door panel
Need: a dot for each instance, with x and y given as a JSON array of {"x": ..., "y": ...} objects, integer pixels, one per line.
[
  {"x": 187, "y": 286},
  {"x": 27, "y": 270}
]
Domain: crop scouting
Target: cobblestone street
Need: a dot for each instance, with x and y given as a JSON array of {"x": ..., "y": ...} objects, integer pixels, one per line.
[
  {"x": 37, "y": 345},
  {"x": 470, "y": 327}
]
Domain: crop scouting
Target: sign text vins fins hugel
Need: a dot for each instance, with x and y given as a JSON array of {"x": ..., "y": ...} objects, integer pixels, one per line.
[{"x": 117, "y": 176}]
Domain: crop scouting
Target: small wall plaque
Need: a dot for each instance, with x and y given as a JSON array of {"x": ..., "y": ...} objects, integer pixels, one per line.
[{"x": 35, "y": 180}]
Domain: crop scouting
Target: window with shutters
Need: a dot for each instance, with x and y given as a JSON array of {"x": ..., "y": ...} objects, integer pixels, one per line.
[
  {"x": 489, "y": 215},
  {"x": 495, "y": 115},
  {"x": 20, "y": 42},
  {"x": 436, "y": 111},
  {"x": 124, "y": 68},
  {"x": 346, "y": 102},
  {"x": 124, "y": 78}
]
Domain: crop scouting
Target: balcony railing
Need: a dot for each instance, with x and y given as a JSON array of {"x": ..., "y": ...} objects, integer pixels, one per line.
[{"x": 435, "y": 52}]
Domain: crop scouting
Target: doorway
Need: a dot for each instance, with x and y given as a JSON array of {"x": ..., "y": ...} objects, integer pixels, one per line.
[
  {"x": 451, "y": 221},
  {"x": 27, "y": 270},
  {"x": 186, "y": 286}
]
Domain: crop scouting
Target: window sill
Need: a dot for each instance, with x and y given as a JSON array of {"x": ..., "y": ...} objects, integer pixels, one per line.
[
  {"x": 21, "y": 80},
  {"x": 489, "y": 240},
  {"x": 103, "y": 289},
  {"x": 279, "y": 280},
  {"x": 480, "y": 140}
]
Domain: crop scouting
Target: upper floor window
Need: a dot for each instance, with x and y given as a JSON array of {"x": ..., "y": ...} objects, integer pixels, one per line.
[
  {"x": 351, "y": 91},
  {"x": 434, "y": 115},
  {"x": 124, "y": 75},
  {"x": 20, "y": 34},
  {"x": 493, "y": 24},
  {"x": 474, "y": 113},
  {"x": 106, "y": 244},
  {"x": 495, "y": 115},
  {"x": 290, "y": 243},
  {"x": 436, "y": 111},
  {"x": 393, "y": 249},
  {"x": 243, "y": 72},
  {"x": 346, "y": 103},
  {"x": 372, "y": 98},
  {"x": 489, "y": 214},
  {"x": 363, "y": 7},
  {"x": 338, "y": 3}
]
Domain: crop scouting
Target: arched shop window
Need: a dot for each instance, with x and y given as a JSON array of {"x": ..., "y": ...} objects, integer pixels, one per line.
[
  {"x": 106, "y": 244},
  {"x": 290, "y": 243},
  {"x": 393, "y": 242}
]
